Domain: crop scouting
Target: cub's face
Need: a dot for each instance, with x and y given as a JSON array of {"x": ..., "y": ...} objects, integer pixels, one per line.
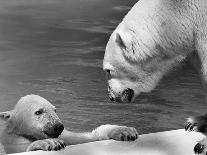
[
  {"x": 41, "y": 121},
  {"x": 35, "y": 118},
  {"x": 129, "y": 70}
]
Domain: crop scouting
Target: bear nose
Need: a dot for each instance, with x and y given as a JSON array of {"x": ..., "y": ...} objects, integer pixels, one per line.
[
  {"x": 127, "y": 95},
  {"x": 58, "y": 129}
]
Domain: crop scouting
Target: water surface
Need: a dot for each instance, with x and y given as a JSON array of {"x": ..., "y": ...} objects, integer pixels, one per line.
[{"x": 54, "y": 48}]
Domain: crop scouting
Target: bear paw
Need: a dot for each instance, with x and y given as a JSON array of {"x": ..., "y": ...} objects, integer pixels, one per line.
[
  {"x": 124, "y": 134},
  {"x": 120, "y": 133},
  {"x": 47, "y": 145},
  {"x": 200, "y": 147},
  {"x": 191, "y": 125}
]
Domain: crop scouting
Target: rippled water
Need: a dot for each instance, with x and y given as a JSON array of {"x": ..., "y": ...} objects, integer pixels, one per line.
[{"x": 54, "y": 48}]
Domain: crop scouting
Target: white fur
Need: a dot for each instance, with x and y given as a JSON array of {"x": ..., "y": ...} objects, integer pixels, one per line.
[
  {"x": 153, "y": 38},
  {"x": 22, "y": 121},
  {"x": 103, "y": 131}
]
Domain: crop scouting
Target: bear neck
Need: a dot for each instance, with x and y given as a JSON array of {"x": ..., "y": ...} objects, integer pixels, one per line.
[{"x": 15, "y": 131}]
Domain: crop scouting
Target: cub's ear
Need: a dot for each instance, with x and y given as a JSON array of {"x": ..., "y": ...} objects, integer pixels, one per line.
[
  {"x": 124, "y": 40},
  {"x": 5, "y": 115}
]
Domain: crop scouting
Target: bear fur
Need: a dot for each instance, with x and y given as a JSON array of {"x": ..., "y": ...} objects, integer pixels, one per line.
[
  {"x": 154, "y": 37},
  {"x": 34, "y": 125},
  {"x": 198, "y": 124}
]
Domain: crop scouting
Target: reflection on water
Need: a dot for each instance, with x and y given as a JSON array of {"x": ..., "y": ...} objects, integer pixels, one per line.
[{"x": 55, "y": 48}]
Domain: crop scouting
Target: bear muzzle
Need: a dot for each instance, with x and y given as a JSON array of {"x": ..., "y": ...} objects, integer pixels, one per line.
[
  {"x": 54, "y": 131},
  {"x": 126, "y": 95}
]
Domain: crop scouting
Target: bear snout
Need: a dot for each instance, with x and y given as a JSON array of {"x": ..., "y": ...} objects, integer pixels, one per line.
[
  {"x": 55, "y": 131},
  {"x": 126, "y": 96},
  {"x": 58, "y": 129}
]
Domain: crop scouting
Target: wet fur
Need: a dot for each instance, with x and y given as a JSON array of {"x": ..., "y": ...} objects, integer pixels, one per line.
[{"x": 26, "y": 131}]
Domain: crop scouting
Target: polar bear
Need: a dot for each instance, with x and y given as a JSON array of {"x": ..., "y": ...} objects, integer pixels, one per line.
[
  {"x": 154, "y": 37},
  {"x": 34, "y": 125},
  {"x": 198, "y": 124}
]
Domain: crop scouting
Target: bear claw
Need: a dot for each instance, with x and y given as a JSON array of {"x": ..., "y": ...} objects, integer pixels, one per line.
[
  {"x": 199, "y": 148},
  {"x": 124, "y": 134},
  {"x": 191, "y": 125},
  {"x": 187, "y": 126},
  {"x": 47, "y": 145}
]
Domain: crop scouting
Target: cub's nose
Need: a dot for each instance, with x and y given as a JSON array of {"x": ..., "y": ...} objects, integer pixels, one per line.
[{"x": 58, "y": 129}]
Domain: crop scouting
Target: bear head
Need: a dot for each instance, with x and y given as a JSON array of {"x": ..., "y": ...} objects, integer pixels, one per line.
[
  {"x": 34, "y": 118},
  {"x": 134, "y": 65}
]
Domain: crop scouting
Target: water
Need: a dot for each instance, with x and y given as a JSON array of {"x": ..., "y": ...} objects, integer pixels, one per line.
[{"x": 54, "y": 48}]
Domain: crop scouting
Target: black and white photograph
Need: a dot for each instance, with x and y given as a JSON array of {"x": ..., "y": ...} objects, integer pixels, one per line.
[{"x": 103, "y": 77}]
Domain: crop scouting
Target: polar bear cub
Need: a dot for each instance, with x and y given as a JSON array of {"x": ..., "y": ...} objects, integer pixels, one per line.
[{"x": 33, "y": 124}]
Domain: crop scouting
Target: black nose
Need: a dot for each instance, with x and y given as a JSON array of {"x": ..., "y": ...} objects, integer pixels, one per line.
[
  {"x": 58, "y": 129},
  {"x": 127, "y": 95}
]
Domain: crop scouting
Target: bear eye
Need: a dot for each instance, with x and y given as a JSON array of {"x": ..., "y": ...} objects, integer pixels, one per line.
[
  {"x": 39, "y": 112},
  {"x": 55, "y": 110}
]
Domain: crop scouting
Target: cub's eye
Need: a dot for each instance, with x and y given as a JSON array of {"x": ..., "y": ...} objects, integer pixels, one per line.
[
  {"x": 55, "y": 110},
  {"x": 39, "y": 112}
]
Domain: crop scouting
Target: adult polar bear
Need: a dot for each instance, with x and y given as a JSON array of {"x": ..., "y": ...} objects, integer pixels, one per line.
[{"x": 155, "y": 36}]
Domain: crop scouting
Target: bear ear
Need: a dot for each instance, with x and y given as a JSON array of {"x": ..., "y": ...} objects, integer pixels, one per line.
[
  {"x": 5, "y": 115},
  {"x": 123, "y": 40}
]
